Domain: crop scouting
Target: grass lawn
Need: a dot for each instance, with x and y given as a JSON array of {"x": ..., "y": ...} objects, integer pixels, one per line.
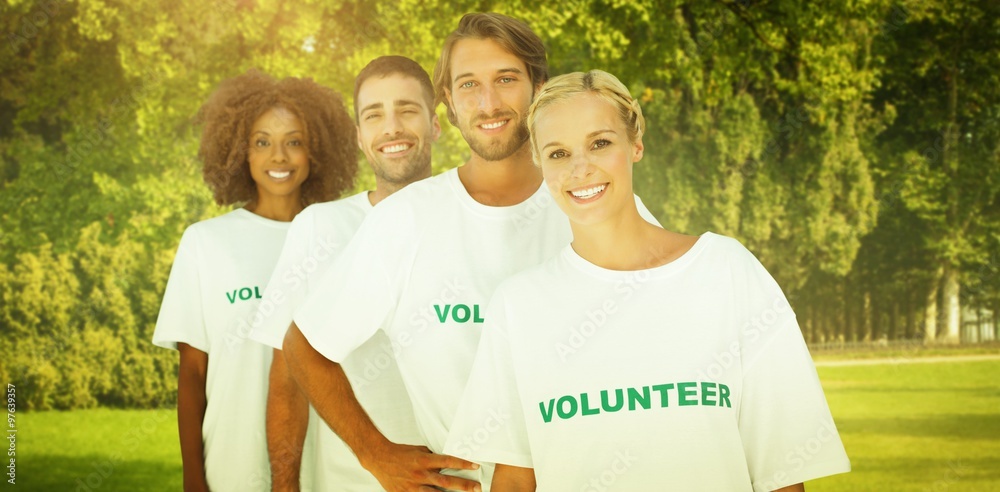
[
  {"x": 100, "y": 449},
  {"x": 920, "y": 427}
]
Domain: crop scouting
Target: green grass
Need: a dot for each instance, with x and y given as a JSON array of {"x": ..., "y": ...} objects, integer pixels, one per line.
[
  {"x": 916, "y": 427},
  {"x": 100, "y": 449},
  {"x": 906, "y": 427},
  {"x": 902, "y": 351}
]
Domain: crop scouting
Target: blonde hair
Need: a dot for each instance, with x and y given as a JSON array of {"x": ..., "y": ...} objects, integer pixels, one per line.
[
  {"x": 514, "y": 35},
  {"x": 598, "y": 82}
]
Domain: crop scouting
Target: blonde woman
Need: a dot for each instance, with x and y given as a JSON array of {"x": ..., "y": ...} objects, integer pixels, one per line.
[{"x": 638, "y": 358}]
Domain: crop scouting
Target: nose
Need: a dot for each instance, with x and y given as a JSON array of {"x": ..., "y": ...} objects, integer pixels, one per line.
[
  {"x": 579, "y": 166},
  {"x": 279, "y": 153},
  {"x": 489, "y": 100},
  {"x": 392, "y": 125}
]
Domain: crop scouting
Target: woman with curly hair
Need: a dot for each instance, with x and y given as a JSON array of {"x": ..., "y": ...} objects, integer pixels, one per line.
[{"x": 273, "y": 147}]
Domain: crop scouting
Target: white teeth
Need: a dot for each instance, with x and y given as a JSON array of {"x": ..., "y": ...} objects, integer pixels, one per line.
[
  {"x": 589, "y": 192},
  {"x": 394, "y": 149},
  {"x": 493, "y": 126},
  {"x": 279, "y": 174}
]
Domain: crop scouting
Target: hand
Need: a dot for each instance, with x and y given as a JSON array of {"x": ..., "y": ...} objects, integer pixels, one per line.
[{"x": 400, "y": 467}]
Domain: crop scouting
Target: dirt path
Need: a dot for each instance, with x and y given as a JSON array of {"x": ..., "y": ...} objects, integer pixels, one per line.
[{"x": 907, "y": 360}]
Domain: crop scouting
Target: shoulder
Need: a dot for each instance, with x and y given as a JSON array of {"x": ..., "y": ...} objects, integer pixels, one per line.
[
  {"x": 350, "y": 209},
  {"x": 537, "y": 281},
  {"x": 728, "y": 249},
  {"x": 426, "y": 191},
  {"x": 219, "y": 225},
  {"x": 417, "y": 201}
]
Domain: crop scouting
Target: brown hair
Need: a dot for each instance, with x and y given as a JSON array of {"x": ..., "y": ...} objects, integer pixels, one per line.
[
  {"x": 385, "y": 66},
  {"x": 230, "y": 112},
  {"x": 515, "y": 36}
]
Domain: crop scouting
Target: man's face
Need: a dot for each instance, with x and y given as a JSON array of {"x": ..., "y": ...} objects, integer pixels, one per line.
[
  {"x": 396, "y": 128},
  {"x": 489, "y": 93}
]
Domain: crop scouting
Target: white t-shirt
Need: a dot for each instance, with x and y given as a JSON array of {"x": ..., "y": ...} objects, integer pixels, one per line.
[
  {"x": 688, "y": 376},
  {"x": 217, "y": 279},
  {"x": 422, "y": 268},
  {"x": 317, "y": 235}
]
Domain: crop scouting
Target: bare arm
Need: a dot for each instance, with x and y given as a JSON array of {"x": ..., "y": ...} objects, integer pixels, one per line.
[
  {"x": 397, "y": 467},
  {"x": 513, "y": 478},
  {"x": 287, "y": 420},
  {"x": 191, "y": 404}
]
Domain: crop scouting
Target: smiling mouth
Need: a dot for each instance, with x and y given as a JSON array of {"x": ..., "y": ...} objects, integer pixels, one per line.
[
  {"x": 494, "y": 126},
  {"x": 395, "y": 149},
  {"x": 588, "y": 193},
  {"x": 279, "y": 174}
]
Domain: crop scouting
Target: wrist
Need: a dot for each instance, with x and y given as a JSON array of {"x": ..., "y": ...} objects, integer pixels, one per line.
[{"x": 374, "y": 451}]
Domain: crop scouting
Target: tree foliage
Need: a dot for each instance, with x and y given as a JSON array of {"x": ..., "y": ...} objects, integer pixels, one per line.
[{"x": 853, "y": 146}]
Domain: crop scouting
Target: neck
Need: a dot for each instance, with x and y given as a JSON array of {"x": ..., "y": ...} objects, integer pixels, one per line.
[
  {"x": 619, "y": 243},
  {"x": 280, "y": 208},
  {"x": 501, "y": 183},
  {"x": 384, "y": 188}
]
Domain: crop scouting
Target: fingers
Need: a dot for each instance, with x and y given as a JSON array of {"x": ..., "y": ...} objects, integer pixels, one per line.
[
  {"x": 448, "y": 482},
  {"x": 439, "y": 461}
]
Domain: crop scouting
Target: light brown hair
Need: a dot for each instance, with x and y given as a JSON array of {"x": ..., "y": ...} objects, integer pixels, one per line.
[{"x": 515, "y": 36}]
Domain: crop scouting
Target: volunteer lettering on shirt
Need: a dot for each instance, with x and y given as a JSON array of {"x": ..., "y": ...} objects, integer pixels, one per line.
[
  {"x": 316, "y": 237},
  {"x": 697, "y": 373},
  {"x": 211, "y": 297},
  {"x": 421, "y": 269}
]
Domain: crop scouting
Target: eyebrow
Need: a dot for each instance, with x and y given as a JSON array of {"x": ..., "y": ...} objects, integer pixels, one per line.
[
  {"x": 513, "y": 70},
  {"x": 398, "y": 102},
  {"x": 589, "y": 136},
  {"x": 287, "y": 133}
]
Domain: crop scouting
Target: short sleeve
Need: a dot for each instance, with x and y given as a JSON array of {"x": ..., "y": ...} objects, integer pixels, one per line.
[
  {"x": 489, "y": 426},
  {"x": 288, "y": 287},
  {"x": 644, "y": 212},
  {"x": 358, "y": 294},
  {"x": 181, "y": 317},
  {"x": 785, "y": 424}
]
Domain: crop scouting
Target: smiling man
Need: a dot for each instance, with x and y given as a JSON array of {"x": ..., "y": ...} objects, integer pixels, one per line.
[
  {"x": 424, "y": 264},
  {"x": 396, "y": 127}
]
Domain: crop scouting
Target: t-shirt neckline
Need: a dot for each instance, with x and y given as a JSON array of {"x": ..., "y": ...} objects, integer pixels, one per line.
[
  {"x": 573, "y": 258},
  {"x": 262, "y": 220},
  {"x": 539, "y": 199}
]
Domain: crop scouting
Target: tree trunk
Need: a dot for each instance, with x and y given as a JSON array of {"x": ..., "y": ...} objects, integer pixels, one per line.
[
  {"x": 996, "y": 320},
  {"x": 867, "y": 316},
  {"x": 894, "y": 321},
  {"x": 931, "y": 310},
  {"x": 850, "y": 323},
  {"x": 952, "y": 306}
]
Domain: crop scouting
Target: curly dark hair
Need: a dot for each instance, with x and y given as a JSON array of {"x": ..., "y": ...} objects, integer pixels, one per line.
[{"x": 230, "y": 112}]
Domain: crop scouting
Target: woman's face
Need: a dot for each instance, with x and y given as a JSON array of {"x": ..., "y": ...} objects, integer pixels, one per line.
[
  {"x": 279, "y": 155},
  {"x": 586, "y": 158}
]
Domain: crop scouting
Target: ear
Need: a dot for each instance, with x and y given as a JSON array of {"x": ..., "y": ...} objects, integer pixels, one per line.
[
  {"x": 637, "y": 148},
  {"x": 435, "y": 127}
]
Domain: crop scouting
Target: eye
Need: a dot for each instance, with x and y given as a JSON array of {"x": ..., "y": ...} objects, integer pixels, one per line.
[
  {"x": 295, "y": 143},
  {"x": 506, "y": 80},
  {"x": 467, "y": 85},
  {"x": 558, "y": 154},
  {"x": 371, "y": 116},
  {"x": 260, "y": 142},
  {"x": 601, "y": 143}
]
